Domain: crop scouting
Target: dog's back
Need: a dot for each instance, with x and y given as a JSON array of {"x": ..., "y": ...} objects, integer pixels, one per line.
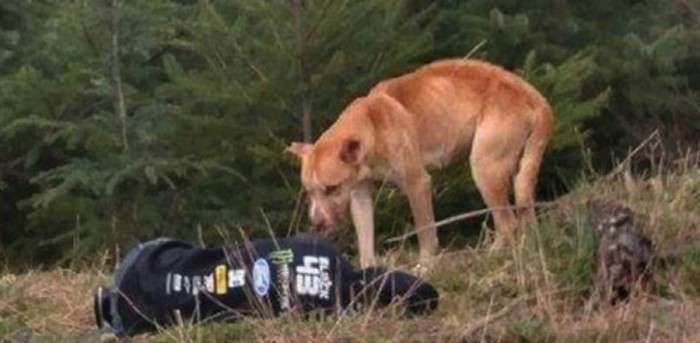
[{"x": 448, "y": 100}]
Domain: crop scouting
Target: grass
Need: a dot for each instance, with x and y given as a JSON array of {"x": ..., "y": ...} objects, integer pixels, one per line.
[{"x": 534, "y": 291}]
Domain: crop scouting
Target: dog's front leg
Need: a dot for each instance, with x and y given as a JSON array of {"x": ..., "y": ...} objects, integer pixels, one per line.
[
  {"x": 418, "y": 189},
  {"x": 363, "y": 220}
]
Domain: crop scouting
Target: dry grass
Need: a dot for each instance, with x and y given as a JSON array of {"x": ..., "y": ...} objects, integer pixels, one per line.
[
  {"x": 58, "y": 301},
  {"x": 538, "y": 290}
]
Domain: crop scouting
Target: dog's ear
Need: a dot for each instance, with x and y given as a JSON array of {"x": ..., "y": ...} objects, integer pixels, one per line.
[
  {"x": 299, "y": 149},
  {"x": 351, "y": 152}
]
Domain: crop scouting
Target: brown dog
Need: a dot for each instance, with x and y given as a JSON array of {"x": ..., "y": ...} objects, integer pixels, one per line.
[{"x": 422, "y": 120}]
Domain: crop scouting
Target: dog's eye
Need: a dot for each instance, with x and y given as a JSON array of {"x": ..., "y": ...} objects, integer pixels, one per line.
[{"x": 331, "y": 189}]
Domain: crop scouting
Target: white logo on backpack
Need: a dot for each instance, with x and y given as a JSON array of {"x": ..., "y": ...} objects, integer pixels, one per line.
[
  {"x": 261, "y": 277},
  {"x": 313, "y": 278}
]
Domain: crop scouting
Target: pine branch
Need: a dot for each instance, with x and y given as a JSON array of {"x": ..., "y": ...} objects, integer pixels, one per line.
[
  {"x": 304, "y": 71},
  {"x": 117, "y": 91}
]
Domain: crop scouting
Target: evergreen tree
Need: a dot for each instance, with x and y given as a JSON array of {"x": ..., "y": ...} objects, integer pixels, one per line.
[{"x": 179, "y": 124}]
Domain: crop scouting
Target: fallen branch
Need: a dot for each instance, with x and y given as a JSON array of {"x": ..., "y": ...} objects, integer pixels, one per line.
[
  {"x": 620, "y": 167},
  {"x": 463, "y": 216}
]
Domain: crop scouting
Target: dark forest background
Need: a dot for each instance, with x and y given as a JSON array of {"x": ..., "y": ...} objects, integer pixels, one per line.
[{"x": 122, "y": 120}]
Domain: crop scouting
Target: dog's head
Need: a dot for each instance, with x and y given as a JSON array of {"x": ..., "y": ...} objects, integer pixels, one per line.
[{"x": 330, "y": 170}]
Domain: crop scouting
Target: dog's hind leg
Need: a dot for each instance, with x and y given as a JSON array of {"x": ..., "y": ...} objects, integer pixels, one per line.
[
  {"x": 493, "y": 159},
  {"x": 525, "y": 180},
  {"x": 493, "y": 183}
]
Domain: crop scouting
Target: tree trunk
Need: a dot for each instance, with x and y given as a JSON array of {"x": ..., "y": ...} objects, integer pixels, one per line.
[
  {"x": 116, "y": 79},
  {"x": 304, "y": 72}
]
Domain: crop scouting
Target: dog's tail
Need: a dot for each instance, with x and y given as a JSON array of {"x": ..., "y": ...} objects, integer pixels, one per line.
[{"x": 529, "y": 165}]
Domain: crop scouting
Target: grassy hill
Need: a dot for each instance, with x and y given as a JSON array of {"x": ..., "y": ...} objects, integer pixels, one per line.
[{"x": 536, "y": 291}]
